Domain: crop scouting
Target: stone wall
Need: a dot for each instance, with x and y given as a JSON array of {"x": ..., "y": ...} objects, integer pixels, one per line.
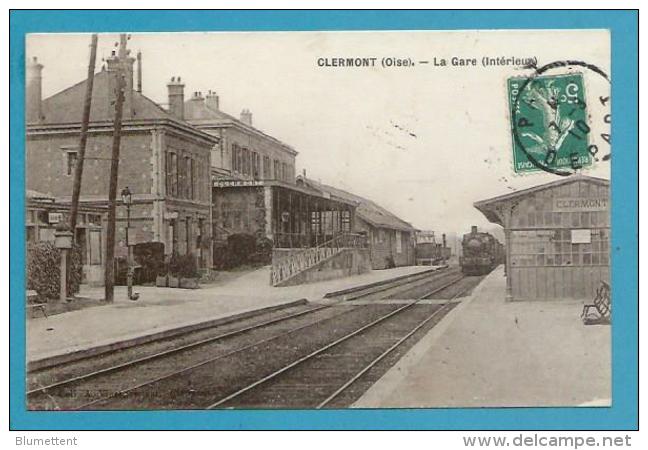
[
  {"x": 352, "y": 261},
  {"x": 263, "y": 146},
  {"x": 142, "y": 168},
  {"x": 47, "y": 163}
]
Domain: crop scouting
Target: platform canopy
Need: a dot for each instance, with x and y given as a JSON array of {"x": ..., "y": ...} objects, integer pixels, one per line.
[
  {"x": 556, "y": 237},
  {"x": 495, "y": 209}
]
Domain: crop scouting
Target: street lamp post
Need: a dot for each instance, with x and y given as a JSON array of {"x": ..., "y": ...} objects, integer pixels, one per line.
[{"x": 127, "y": 199}]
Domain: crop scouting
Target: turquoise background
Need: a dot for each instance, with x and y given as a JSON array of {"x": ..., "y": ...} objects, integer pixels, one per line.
[{"x": 624, "y": 30}]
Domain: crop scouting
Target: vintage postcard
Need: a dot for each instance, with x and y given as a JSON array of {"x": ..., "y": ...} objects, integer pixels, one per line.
[{"x": 307, "y": 220}]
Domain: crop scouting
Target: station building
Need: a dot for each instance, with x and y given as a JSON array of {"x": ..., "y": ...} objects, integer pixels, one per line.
[
  {"x": 44, "y": 213},
  {"x": 253, "y": 183},
  {"x": 291, "y": 215},
  {"x": 310, "y": 230},
  {"x": 391, "y": 240},
  {"x": 557, "y": 238},
  {"x": 164, "y": 161},
  {"x": 199, "y": 175},
  {"x": 242, "y": 151}
]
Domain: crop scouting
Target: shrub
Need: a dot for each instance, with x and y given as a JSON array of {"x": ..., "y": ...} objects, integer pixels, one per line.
[
  {"x": 219, "y": 256},
  {"x": 263, "y": 251},
  {"x": 183, "y": 266},
  {"x": 174, "y": 266},
  {"x": 242, "y": 249},
  {"x": 150, "y": 257},
  {"x": 163, "y": 271},
  {"x": 189, "y": 266},
  {"x": 44, "y": 266},
  {"x": 239, "y": 248}
]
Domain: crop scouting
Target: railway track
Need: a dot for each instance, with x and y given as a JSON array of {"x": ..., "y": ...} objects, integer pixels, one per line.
[
  {"x": 334, "y": 368},
  {"x": 43, "y": 378},
  {"x": 183, "y": 376},
  {"x": 72, "y": 390},
  {"x": 384, "y": 289}
]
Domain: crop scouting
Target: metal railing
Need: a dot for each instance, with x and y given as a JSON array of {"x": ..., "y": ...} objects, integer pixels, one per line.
[{"x": 305, "y": 258}]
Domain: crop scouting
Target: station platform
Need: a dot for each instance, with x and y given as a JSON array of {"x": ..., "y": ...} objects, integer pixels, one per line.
[
  {"x": 490, "y": 353},
  {"x": 163, "y": 310}
]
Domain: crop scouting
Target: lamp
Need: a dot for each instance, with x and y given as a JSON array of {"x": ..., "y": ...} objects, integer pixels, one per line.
[
  {"x": 127, "y": 199},
  {"x": 127, "y": 196}
]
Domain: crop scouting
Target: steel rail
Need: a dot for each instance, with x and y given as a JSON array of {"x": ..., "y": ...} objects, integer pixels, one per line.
[
  {"x": 399, "y": 283},
  {"x": 308, "y": 356},
  {"x": 202, "y": 363},
  {"x": 155, "y": 356},
  {"x": 168, "y": 352},
  {"x": 373, "y": 363},
  {"x": 445, "y": 286},
  {"x": 322, "y": 349},
  {"x": 230, "y": 353},
  {"x": 188, "y": 346}
]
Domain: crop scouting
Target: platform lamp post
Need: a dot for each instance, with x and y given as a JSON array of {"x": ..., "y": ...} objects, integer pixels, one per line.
[
  {"x": 63, "y": 241},
  {"x": 127, "y": 199}
]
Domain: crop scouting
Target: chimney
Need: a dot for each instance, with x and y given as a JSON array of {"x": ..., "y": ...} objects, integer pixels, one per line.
[
  {"x": 112, "y": 65},
  {"x": 139, "y": 72},
  {"x": 443, "y": 238},
  {"x": 176, "y": 98},
  {"x": 193, "y": 108},
  {"x": 197, "y": 97},
  {"x": 34, "y": 91},
  {"x": 246, "y": 116},
  {"x": 473, "y": 229},
  {"x": 212, "y": 100}
]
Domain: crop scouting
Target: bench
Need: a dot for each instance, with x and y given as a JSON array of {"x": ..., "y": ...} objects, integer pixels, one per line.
[
  {"x": 602, "y": 304},
  {"x": 33, "y": 307}
]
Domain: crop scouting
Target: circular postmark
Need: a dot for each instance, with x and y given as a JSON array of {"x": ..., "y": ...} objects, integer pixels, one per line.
[{"x": 560, "y": 117}]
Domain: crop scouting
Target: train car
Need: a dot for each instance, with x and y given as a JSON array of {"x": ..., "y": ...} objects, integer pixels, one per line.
[
  {"x": 482, "y": 252},
  {"x": 429, "y": 252}
]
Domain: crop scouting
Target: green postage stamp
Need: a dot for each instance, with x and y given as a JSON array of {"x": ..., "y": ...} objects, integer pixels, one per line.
[{"x": 549, "y": 123}]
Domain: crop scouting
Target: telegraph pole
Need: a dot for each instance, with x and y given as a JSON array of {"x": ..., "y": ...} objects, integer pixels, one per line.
[
  {"x": 114, "y": 171},
  {"x": 78, "y": 170}
]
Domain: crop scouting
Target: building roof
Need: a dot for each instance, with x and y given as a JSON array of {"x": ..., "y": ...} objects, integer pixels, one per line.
[
  {"x": 42, "y": 200},
  {"x": 66, "y": 106},
  {"x": 201, "y": 115},
  {"x": 487, "y": 206},
  {"x": 367, "y": 210},
  {"x": 229, "y": 183},
  {"x": 31, "y": 194}
]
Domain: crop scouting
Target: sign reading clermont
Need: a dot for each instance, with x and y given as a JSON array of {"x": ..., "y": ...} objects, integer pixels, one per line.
[{"x": 580, "y": 204}]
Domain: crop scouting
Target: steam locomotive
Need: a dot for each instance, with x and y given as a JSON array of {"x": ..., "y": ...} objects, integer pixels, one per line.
[{"x": 482, "y": 252}]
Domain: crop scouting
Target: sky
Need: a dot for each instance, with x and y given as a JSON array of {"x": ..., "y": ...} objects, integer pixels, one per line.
[{"x": 424, "y": 141}]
